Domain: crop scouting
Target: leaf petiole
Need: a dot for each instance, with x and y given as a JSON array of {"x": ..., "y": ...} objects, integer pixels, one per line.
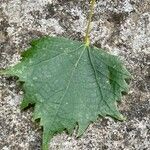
[{"x": 87, "y": 39}]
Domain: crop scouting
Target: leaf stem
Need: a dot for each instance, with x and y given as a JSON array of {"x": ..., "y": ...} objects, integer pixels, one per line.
[{"x": 87, "y": 39}]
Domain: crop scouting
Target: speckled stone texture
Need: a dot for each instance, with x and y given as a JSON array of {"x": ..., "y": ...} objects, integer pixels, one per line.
[{"x": 122, "y": 27}]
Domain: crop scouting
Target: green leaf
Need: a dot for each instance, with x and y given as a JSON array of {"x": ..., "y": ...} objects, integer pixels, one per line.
[{"x": 69, "y": 83}]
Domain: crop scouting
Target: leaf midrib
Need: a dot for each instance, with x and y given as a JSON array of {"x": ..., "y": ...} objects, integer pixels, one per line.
[{"x": 69, "y": 81}]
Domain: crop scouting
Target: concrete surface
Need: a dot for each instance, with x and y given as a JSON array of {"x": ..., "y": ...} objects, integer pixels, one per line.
[{"x": 121, "y": 27}]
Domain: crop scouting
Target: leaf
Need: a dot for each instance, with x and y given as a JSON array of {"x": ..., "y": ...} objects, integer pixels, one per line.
[{"x": 69, "y": 83}]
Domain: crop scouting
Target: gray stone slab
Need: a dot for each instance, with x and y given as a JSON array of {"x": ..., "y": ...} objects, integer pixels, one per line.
[{"x": 120, "y": 27}]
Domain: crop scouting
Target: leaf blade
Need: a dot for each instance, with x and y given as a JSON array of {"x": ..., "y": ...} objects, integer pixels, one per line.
[{"x": 70, "y": 84}]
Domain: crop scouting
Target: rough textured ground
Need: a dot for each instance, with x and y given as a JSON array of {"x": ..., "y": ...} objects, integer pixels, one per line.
[{"x": 121, "y": 27}]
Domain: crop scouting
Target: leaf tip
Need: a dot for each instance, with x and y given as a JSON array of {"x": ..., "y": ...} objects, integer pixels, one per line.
[
  {"x": 8, "y": 72},
  {"x": 47, "y": 135},
  {"x": 121, "y": 117},
  {"x": 4, "y": 72},
  {"x": 81, "y": 129},
  {"x": 23, "y": 105}
]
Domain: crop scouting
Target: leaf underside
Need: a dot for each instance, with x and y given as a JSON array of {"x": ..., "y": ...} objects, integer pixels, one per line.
[{"x": 70, "y": 84}]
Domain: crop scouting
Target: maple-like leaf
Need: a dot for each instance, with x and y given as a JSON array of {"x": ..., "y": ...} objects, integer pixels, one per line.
[{"x": 69, "y": 83}]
